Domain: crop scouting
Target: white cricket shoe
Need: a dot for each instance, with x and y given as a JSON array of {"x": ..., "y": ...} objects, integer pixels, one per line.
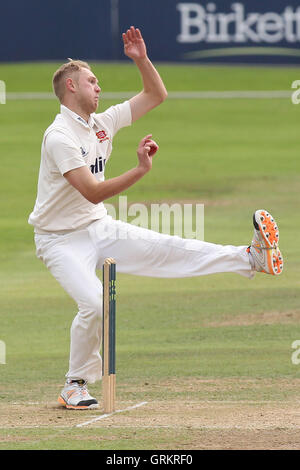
[
  {"x": 264, "y": 249},
  {"x": 75, "y": 396}
]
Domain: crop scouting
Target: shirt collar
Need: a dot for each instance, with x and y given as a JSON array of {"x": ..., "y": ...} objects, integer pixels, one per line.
[{"x": 67, "y": 111}]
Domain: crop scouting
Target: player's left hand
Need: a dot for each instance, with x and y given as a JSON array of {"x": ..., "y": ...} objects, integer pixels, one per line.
[
  {"x": 146, "y": 150},
  {"x": 134, "y": 45}
]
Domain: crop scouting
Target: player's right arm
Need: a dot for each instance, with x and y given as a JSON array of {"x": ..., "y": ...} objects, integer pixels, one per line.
[{"x": 97, "y": 191}]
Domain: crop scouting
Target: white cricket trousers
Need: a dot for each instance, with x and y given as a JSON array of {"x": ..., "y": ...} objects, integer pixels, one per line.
[{"x": 73, "y": 259}]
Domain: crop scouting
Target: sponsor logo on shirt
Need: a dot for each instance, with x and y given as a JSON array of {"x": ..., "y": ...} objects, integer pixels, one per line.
[
  {"x": 102, "y": 136},
  {"x": 83, "y": 152},
  {"x": 98, "y": 166}
]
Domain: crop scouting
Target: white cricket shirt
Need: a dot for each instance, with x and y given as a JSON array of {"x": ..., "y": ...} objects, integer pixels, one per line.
[{"x": 69, "y": 143}]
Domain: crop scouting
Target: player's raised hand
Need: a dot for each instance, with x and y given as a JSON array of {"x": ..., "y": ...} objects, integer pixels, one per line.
[
  {"x": 134, "y": 45},
  {"x": 146, "y": 150}
]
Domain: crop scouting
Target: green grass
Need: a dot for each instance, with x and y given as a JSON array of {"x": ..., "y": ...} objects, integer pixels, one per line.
[
  {"x": 123, "y": 77},
  {"x": 232, "y": 155}
]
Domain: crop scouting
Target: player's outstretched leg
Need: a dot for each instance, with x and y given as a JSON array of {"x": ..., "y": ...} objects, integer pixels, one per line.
[{"x": 264, "y": 250}]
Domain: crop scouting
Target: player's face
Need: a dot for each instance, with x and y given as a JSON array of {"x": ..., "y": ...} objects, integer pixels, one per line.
[{"x": 88, "y": 91}]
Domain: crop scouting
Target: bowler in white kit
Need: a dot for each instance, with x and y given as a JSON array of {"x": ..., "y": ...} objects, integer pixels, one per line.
[{"x": 73, "y": 232}]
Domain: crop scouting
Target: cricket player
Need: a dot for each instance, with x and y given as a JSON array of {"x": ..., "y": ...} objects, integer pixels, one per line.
[{"x": 73, "y": 232}]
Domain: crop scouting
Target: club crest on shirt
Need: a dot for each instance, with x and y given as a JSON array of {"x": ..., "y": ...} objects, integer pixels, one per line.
[{"x": 102, "y": 136}]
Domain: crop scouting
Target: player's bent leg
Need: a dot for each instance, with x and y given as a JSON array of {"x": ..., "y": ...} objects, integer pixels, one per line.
[{"x": 71, "y": 260}]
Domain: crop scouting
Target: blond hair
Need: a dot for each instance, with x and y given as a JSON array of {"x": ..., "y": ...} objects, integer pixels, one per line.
[{"x": 66, "y": 71}]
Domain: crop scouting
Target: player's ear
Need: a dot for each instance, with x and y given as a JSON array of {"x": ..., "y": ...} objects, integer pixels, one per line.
[{"x": 70, "y": 85}]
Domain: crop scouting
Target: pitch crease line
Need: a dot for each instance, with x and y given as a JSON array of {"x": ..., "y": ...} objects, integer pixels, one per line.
[{"x": 107, "y": 415}]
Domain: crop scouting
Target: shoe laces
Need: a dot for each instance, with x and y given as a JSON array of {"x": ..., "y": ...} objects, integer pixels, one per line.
[{"x": 81, "y": 387}]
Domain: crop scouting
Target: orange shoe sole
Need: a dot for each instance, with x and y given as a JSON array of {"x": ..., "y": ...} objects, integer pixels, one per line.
[{"x": 62, "y": 402}]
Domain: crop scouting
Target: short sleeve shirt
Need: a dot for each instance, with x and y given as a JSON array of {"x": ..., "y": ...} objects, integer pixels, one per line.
[{"x": 70, "y": 143}]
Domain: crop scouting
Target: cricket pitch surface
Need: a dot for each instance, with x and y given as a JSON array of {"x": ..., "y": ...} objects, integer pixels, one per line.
[{"x": 229, "y": 423}]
